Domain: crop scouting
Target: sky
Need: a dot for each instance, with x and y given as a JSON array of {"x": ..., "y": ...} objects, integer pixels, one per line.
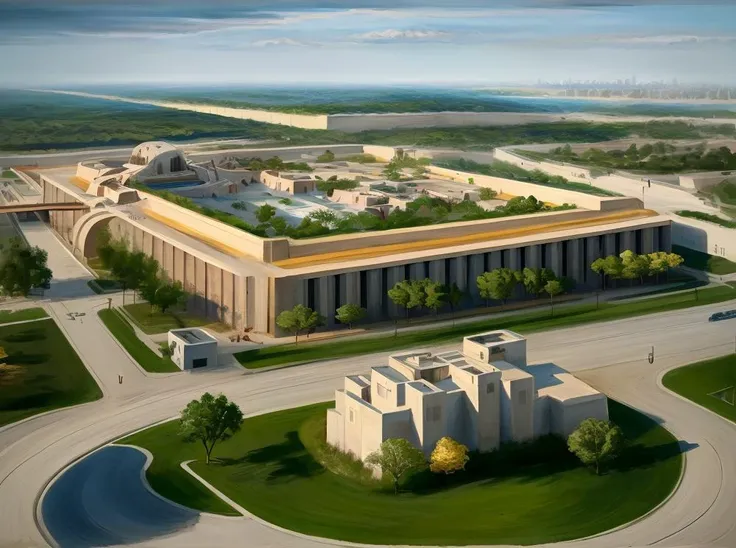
[{"x": 47, "y": 43}]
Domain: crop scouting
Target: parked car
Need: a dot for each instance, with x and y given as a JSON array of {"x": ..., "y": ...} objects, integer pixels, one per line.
[{"x": 722, "y": 316}]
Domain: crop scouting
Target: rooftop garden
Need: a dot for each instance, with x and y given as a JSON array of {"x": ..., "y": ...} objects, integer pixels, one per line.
[
  {"x": 516, "y": 173},
  {"x": 658, "y": 157},
  {"x": 275, "y": 164},
  {"x": 707, "y": 218}
]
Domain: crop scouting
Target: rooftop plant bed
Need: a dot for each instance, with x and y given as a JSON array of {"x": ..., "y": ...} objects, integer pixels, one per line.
[{"x": 708, "y": 218}]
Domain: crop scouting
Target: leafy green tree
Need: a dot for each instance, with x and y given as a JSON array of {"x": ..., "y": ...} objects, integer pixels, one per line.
[
  {"x": 139, "y": 268},
  {"x": 417, "y": 294},
  {"x": 279, "y": 225},
  {"x": 168, "y": 294},
  {"x": 350, "y": 314},
  {"x": 455, "y": 296},
  {"x": 610, "y": 267},
  {"x": 298, "y": 319},
  {"x": 265, "y": 212},
  {"x": 22, "y": 268},
  {"x": 486, "y": 193},
  {"x": 400, "y": 295},
  {"x": 498, "y": 284},
  {"x": 553, "y": 288},
  {"x": 392, "y": 172},
  {"x": 209, "y": 420},
  {"x": 435, "y": 295},
  {"x": 595, "y": 442},
  {"x": 535, "y": 279},
  {"x": 327, "y": 157},
  {"x": 419, "y": 172},
  {"x": 396, "y": 457}
]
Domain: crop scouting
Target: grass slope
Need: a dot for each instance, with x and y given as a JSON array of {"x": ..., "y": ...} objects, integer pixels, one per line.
[
  {"x": 699, "y": 381},
  {"x": 125, "y": 334},
  {"x": 523, "y": 323},
  {"x": 704, "y": 261},
  {"x": 8, "y": 316},
  {"x": 708, "y": 218},
  {"x": 161, "y": 322},
  {"x": 267, "y": 469},
  {"x": 42, "y": 372}
]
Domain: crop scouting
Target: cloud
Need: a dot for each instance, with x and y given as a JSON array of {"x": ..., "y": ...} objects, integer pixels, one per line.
[
  {"x": 398, "y": 35},
  {"x": 668, "y": 39},
  {"x": 271, "y": 42}
]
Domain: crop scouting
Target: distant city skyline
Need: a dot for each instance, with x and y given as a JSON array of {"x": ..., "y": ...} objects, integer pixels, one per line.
[{"x": 372, "y": 42}]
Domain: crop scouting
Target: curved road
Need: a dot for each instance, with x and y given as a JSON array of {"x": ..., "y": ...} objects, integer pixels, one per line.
[{"x": 611, "y": 356}]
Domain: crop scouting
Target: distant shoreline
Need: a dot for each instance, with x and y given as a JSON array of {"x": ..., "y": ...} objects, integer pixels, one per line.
[{"x": 701, "y": 102}]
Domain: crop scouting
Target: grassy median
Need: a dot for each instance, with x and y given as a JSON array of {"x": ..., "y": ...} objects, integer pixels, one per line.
[
  {"x": 41, "y": 372},
  {"x": 9, "y": 316},
  {"x": 125, "y": 334},
  {"x": 711, "y": 383},
  {"x": 267, "y": 469},
  {"x": 523, "y": 323}
]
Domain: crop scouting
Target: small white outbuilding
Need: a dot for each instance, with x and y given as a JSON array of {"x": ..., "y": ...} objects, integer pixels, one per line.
[{"x": 192, "y": 348}]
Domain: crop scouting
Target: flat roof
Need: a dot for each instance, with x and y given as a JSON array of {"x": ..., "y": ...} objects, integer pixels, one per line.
[
  {"x": 553, "y": 381},
  {"x": 510, "y": 372},
  {"x": 493, "y": 337},
  {"x": 193, "y": 336},
  {"x": 390, "y": 373}
]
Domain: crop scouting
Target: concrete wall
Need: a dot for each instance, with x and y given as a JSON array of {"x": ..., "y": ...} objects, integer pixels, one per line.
[
  {"x": 700, "y": 181},
  {"x": 543, "y": 193},
  {"x": 706, "y": 237}
]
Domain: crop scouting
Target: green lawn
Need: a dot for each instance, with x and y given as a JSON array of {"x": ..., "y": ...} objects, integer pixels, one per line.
[
  {"x": 8, "y": 316},
  {"x": 710, "y": 383},
  {"x": 160, "y": 322},
  {"x": 523, "y": 323},
  {"x": 703, "y": 261},
  {"x": 124, "y": 333},
  {"x": 42, "y": 372},
  {"x": 7, "y": 174},
  {"x": 267, "y": 469}
]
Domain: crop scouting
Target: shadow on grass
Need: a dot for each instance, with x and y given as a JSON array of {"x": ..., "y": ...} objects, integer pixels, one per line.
[
  {"x": 29, "y": 335},
  {"x": 286, "y": 460},
  {"x": 21, "y": 358},
  {"x": 639, "y": 456}
]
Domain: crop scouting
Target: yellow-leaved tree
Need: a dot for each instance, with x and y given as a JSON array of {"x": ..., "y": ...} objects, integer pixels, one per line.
[{"x": 448, "y": 456}]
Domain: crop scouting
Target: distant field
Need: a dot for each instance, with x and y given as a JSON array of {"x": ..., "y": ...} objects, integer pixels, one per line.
[{"x": 39, "y": 121}]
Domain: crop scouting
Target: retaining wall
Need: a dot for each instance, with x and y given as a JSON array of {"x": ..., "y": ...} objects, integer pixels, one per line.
[{"x": 703, "y": 236}]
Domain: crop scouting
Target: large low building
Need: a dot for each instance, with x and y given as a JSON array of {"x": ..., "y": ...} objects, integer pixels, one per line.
[
  {"x": 481, "y": 396},
  {"x": 247, "y": 280}
]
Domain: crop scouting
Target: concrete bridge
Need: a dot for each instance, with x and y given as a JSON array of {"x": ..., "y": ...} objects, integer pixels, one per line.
[{"x": 30, "y": 208}]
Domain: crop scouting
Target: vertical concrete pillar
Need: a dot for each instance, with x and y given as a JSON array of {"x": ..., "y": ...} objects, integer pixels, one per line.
[
  {"x": 349, "y": 288},
  {"x": 575, "y": 267},
  {"x": 325, "y": 298},
  {"x": 513, "y": 258},
  {"x": 554, "y": 257},
  {"x": 655, "y": 236},
  {"x": 437, "y": 271},
  {"x": 251, "y": 305},
  {"x": 609, "y": 245},
  {"x": 665, "y": 243},
  {"x": 459, "y": 272},
  {"x": 533, "y": 256},
  {"x": 647, "y": 240},
  {"x": 628, "y": 241},
  {"x": 375, "y": 294},
  {"x": 263, "y": 320},
  {"x": 417, "y": 271},
  {"x": 496, "y": 260},
  {"x": 476, "y": 267}
]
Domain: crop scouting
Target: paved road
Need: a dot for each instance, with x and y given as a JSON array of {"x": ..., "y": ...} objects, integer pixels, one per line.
[{"x": 612, "y": 356}]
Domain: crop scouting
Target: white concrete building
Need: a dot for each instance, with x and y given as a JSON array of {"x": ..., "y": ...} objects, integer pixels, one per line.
[
  {"x": 192, "y": 348},
  {"x": 482, "y": 396}
]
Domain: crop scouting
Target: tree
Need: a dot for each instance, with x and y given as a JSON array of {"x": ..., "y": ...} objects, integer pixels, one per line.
[
  {"x": 610, "y": 267},
  {"x": 168, "y": 294},
  {"x": 392, "y": 172},
  {"x": 448, "y": 456},
  {"x": 434, "y": 295},
  {"x": 419, "y": 172},
  {"x": 265, "y": 212},
  {"x": 498, "y": 284},
  {"x": 22, "y": 268},
  {"x": 417, "y": 294},
  {"x": 455, "y": 296},
  {"x": 553, "y": 288},
  {"x": 209, "y": 420},
  {"x": 298, "y": 319},
  {"x": 396, "y": 457},
  {"x": 634, "y": 266},
  {"x": 138, "y": 269},
  {"x": 535, "y": 279},
  {"x": 486, "y": 193},
  {"x": 400, "y": 296},
  {"x": 349, "y": 314},
  {"x": 595, "y": 442},
  {"x": 279, "y": 225},
  {"x": 327, "y": 157}
]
